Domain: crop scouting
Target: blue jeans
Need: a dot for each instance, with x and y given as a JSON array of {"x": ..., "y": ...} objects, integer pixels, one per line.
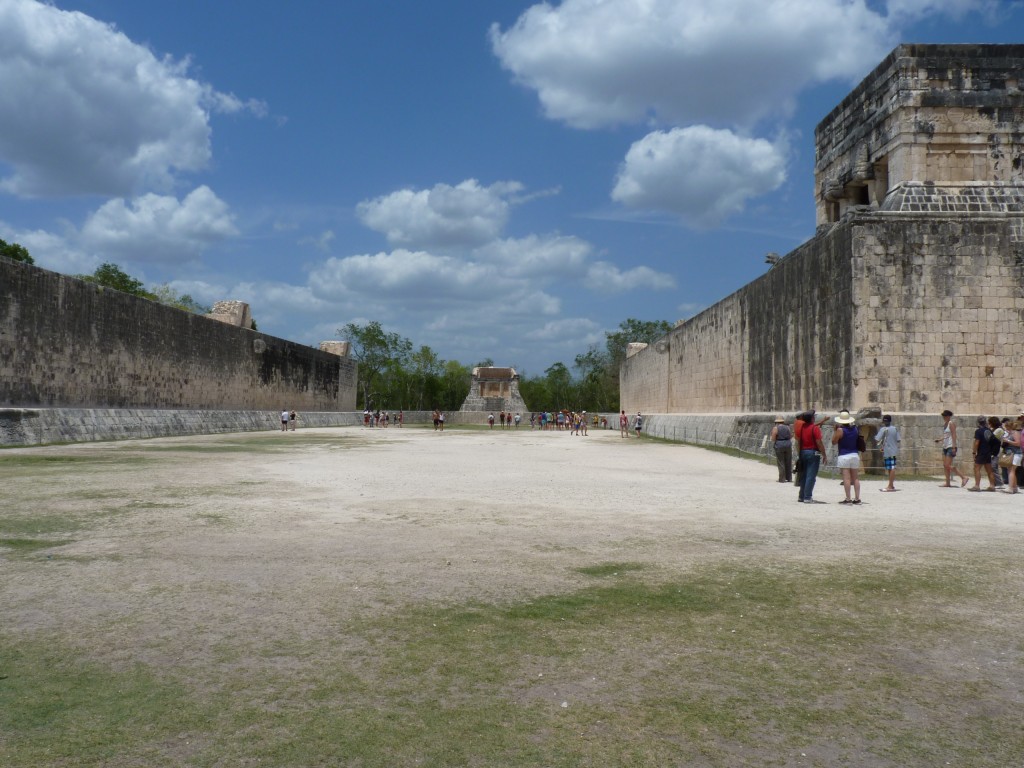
[{"x": 811, "y": 461}]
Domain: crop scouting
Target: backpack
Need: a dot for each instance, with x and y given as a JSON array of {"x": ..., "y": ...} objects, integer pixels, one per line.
[
  {"x": 861, "y": 444},
  {"x": 994, "y": 443}
]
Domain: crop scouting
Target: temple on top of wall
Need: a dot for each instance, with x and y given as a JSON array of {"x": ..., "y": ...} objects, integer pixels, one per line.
[{"x": 910, "y": 297}]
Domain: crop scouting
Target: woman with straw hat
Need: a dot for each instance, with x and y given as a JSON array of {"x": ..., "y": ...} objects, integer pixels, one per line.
[{"x": 848, "y": 461}]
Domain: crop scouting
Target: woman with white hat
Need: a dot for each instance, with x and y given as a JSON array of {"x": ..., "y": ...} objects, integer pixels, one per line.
[{"x": 848, "y": 461}]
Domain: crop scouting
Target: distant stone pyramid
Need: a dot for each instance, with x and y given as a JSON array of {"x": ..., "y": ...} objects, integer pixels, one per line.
[{"x": 495, "y": 389}]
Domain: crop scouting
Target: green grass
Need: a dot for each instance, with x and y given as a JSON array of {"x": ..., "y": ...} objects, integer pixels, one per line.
[
  {"x": 858, "y": 663},
  {"x": 27, "y": 546}
]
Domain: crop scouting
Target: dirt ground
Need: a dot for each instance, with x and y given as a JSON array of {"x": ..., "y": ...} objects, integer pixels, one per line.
[
  {"x": 173, "y": 552},
  {"x": 387, "y": 517}
]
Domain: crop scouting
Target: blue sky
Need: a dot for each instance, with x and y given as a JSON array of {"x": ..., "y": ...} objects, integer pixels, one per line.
[{"x": 492, "y": 179}]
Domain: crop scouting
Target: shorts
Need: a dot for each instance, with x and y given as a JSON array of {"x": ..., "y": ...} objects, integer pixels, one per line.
[
  {"x": 848, "y": 461},
  {"x": 982, "y": 459},
  {"x": 890, "y": 462},
  {"x": 949, "y": 451},
  {"x": 1017, "y": 458}
]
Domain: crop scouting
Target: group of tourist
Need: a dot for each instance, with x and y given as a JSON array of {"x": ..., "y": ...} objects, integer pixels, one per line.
[
  {"x": 288, "y": 418},
  {"x": 996, "y": 451},
  {"x": 507, "y": 420},
  {"x": 381, "y": 419}
]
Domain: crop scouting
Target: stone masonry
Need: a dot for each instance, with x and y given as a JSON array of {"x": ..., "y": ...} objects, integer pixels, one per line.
[
  {"x": 910, "y": 297},
  {"x": 493, "y": 390}
]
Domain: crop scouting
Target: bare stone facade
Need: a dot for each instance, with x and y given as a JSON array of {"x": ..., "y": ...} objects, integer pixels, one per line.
[
  {"x": 494, "y": 389},
  {"x": 910, "y": 297},
  {"x": 236, "y": 313}
]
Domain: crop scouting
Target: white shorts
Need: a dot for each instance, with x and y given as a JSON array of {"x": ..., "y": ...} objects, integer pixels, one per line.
[
  {"x": 1017, "y": 459},
  {"x": 848, "y": 461}
]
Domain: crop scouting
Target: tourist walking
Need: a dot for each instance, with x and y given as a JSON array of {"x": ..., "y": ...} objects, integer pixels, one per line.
[
  {"x": 812, "y": 449},
  {"x": 982, "y": 450},
  {"x": 623, "y": 424},
  {"x": 888, "y": 438},
  {"x": 638, "y": 425},
  {"x": 998, "y": 432},
  {"x": 292, "y": 416},
  {"x": 782, "y": 440},
  {"x": 846, "y": 437},
  {"x": 949, "y": 449}
]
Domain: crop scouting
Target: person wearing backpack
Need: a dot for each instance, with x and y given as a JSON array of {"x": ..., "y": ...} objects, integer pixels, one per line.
[
  {"x": 983, "y": 455},
  {"x": 850, "y": 443},
  {"x": 782, "y": 440}
]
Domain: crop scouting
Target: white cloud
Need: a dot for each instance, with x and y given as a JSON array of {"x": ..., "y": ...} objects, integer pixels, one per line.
[
  {"x": 52, "y": 251},
  {"x": 159, "y": 227},
  {"x": 596, "y": 63},
  {"x": 698, "y": 173},
  {"x": 539, "y": 257},
  {"x": 604, "y": 277},
  {"x": 464, "y": 215},
  {"x": 88, "y": 111},
  {"x": 574, "y": 329},
  {"x": 321, "y": 242}
]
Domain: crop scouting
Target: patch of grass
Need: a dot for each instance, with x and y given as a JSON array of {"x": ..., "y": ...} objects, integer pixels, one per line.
[
  {"x": 776, "y": 664},
  {"x": 57, "y": 709},
  {"x": 26, "y": 546},
  {"x": 610, "y": 569}
]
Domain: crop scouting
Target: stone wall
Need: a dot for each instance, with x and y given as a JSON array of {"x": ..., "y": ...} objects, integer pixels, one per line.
[
  {"x": 905, "y": 312},
  {"x": 68, "y": 343}
]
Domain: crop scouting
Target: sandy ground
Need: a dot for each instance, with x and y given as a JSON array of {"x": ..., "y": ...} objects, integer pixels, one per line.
[{"x": 185, "y": 543}]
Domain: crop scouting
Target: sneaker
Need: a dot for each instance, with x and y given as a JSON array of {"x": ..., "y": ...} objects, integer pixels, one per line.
[
  {"x": 846, "y": 501},
  {"x": 814, "y": 501}
]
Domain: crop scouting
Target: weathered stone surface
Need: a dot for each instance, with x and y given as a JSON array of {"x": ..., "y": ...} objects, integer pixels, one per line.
[
  {"x": 68, "y": 343},
  {"x": 234, "y": 313},
  {"x": 494, "y": 389}
]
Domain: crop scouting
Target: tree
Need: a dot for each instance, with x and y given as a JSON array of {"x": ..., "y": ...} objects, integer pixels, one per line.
[
  {"x": 167, "y": 295},
  {"x": 15, "y": 252},
  {"x": 112, "y": 276},
  {"x": 374, "y": 349},
  {"x": 426, "y": 369}
]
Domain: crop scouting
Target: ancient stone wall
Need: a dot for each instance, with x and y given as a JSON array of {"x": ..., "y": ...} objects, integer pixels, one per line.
[
  {"x": 68, "y": 343},
  {"x": 785, "y": 341},
  {"x": 906, "y": 312}
]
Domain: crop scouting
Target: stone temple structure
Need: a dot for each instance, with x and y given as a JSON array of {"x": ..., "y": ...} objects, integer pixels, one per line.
[
  {"x": 910, "y": 296},
  {"x": 494, "y": 389}
]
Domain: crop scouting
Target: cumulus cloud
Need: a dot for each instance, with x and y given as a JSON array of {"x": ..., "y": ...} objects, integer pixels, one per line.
[
  {"x": 464, "y": 215},
  {"x": 538, "y": 257},
  {"x": 596, "y": 63},
  {"x": 605, "y": 277},
  {"x": 52, "y": 251},
  {"x": 88, "y": 111},
  {"x": 698, "y": 173},
  {"x": 159, "y": 227}
]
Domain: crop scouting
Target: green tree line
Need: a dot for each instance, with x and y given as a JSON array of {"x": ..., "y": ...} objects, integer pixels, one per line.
[{"x": 395, "y": 374}]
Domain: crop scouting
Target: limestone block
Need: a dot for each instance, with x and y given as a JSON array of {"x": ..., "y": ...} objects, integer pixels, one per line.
[
  {"x": 234, "y": 313},
  {"x": 339, "y": 348}
]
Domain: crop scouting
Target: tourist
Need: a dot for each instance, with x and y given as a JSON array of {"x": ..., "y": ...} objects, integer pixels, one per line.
[
  {"x": 638, "y": 424},
  {"x": 440, "y": 420},
  {"x": 1012, "y": 441},
  {"x": 401, "y": 418},
  {"x": 436, "y": 417},
  {"x": 517, "y": 421},
  {"x": 502, "y": 417},
  {"x": 623, "y": 424},
  {"x": 949, "y": 448},
  {"x": 845, "y": 437},
  {"x": 583, "y": 423},
  {"x": 801, "y": 419},
  {"x": 366, "y": 417},
  {"x": 291, "y": 419},
  {"x": 982, "y": 450},
  {"x": 284, "y": 420},
  {"x": 888, "y": 438},
  {"x": 490, "y": 420},
  {"x": 998, "y": 431},
  {"x": 533, "y": 419},
  {"x": 782, "y": 440},
  {"x": 812, "y": 449}
]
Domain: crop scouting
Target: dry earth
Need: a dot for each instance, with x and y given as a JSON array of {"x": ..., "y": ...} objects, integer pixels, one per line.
[{"x": 198, "y": 544}]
